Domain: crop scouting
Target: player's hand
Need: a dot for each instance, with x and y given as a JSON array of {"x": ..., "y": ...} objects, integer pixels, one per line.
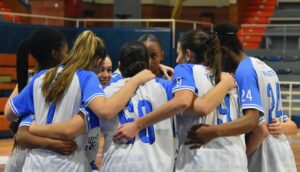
[
  {"x": 199, "y": 135},
  {"x": 228, "y": 79},
  {"x": 143, "y": 76},
  {"x": 276, "y": 128},
  {"x": 125, "y": 132},
  {"x": 167, "y": 71},
  {"x": 64, "y": 147}
]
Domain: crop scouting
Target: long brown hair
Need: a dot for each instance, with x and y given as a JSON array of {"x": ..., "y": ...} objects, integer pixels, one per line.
[
  {"x": 230, "y": 44},
  {"x": 213, "y": 57},
  {"x": 87, "y": 49},
  {"x": 207, "y": 50}
]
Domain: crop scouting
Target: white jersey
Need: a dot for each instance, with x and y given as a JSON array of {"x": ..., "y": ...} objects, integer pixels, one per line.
[
  {"x": 260, "y": 89},
  {"x": 83, "y": 88},
  {"x": 220, "y": 154},
  {"x": 93, "y": 141},
  {"x": 16, "y": 161},
  {"x": 153, "y": 148},
  {"x": 18, "y": 156}
]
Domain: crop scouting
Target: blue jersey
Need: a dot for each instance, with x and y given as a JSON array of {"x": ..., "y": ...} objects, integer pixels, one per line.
[
  {"x": 116, "y": 76},
  {"x": 84, "y": 88},
  {"x": 153, "y": 148},
  {"x": 259, "y": 89},
  {"x": 17, "y": 159},
  {"x": 210, "y": 157}
]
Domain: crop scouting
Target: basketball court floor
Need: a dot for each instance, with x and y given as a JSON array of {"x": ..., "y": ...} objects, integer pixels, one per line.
[{"x": 6, "y": 146}]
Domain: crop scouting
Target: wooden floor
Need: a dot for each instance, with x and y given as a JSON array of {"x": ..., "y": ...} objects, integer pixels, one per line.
[{"x": 6, "y": 146}]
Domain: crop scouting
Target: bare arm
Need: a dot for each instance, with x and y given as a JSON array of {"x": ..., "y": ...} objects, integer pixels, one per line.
[
  {"x": 289, "y": 127},
  {"x": 181, "y": 101},
  {"x": 202, "y": 134},
  {"x": 167, "y": 71},
  {"x": 30, "y": 141},
  {"x": 62, "y": 131},
  {"x": 277, "y": 128},
  {"x": 241, "y": 125},
  {"x": 108, "y": 108},
  {"x": 206, "y": 104},
  {"x": 256, "y": 138}
]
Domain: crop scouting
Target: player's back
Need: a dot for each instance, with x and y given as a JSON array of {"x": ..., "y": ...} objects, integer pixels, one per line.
[
  {"x": 220, "y": 154},
  {"x": 153, "y": 148},
  {"x": 274, "y": 154},
  {"x": 46, "y": 113}
]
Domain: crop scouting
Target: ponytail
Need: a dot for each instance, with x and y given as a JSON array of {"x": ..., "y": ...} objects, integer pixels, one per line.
[
  {"x": 87, "y": 49},
  {"x": 22, "y": 64}
]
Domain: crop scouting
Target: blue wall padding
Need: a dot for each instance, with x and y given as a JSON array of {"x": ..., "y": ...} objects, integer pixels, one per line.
[{"x": 12, "y": 34}]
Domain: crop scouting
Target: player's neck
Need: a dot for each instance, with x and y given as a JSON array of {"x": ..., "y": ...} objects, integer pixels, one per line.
[{"x": 241, "y": 57}]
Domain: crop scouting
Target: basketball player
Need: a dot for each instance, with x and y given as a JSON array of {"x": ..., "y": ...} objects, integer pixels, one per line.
[
  {"x": 153, "y": 149},
  {"x": 259, "y": 92},
  {"x": 50, "y": 92},
  {"x": 195, "y": 79}
]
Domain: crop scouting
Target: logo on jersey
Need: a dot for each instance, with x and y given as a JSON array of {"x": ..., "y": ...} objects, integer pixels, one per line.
[
  {"x": 92, "y": 143},
  {"x": 178, "y": 81}
]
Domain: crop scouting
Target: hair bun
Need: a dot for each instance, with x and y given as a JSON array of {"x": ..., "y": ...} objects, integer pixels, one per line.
[{"x": 225, "y": 29}]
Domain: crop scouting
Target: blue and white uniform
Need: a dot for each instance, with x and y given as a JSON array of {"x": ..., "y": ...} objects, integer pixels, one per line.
[
  {"x": 84, "y": 88},
  {"x": 259, "y": 89},
  {"x": 153, "y": 148},
  {"x": 116, "y": 76},
  {"x": 220, "y": 154},
  {"x": 17, "y": 158},
  {"x": 91, "y": 148}
]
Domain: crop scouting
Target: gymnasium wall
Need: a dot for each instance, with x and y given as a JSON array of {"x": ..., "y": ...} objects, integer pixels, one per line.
[
  {"x": 225, "y": 10},
  {"x": 12, "y": 34}
]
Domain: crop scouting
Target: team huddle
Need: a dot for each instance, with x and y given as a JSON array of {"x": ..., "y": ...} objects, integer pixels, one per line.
[{"x": 219, "y": 110}]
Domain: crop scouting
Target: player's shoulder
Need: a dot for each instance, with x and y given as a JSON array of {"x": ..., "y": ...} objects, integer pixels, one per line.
[
  {"x": 245, "y": 68},
  {"x": 81, "y": 73},
  {"x": 186, "y": 67},
  {"x": 161, "y": 81},
  {"x": 246, "y": 62},
  {"x": 115, "y": 86}
]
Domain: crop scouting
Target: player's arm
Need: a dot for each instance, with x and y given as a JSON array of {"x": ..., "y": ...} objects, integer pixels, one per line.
[
  {"x": 287, "y": 127},
  {"x": 202, "y": 134},
  {"x": 167, "y": 71},
  {"x": 167, "y": 110},
  {"x": 184, "y": 93},
  {"x": 110, "y": 107},
  {"x": 242, "y": 125},
  {"x": 67, "y": 130},
  {"x": 8, "y": 113},
  {"x": 250, "y": 104},
  {"x": 27, "y": 140},
  {"x": 102, "y": 107},
  {"x": 256, "y": 138},
  {"x": 206, "y": 104}
]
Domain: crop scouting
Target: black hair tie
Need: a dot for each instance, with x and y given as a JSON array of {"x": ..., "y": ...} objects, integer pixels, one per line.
[{"x": 210, "y": 38}]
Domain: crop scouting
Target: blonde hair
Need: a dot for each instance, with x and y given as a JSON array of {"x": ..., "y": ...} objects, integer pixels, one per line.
[{"x": 87, "y": 49}]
